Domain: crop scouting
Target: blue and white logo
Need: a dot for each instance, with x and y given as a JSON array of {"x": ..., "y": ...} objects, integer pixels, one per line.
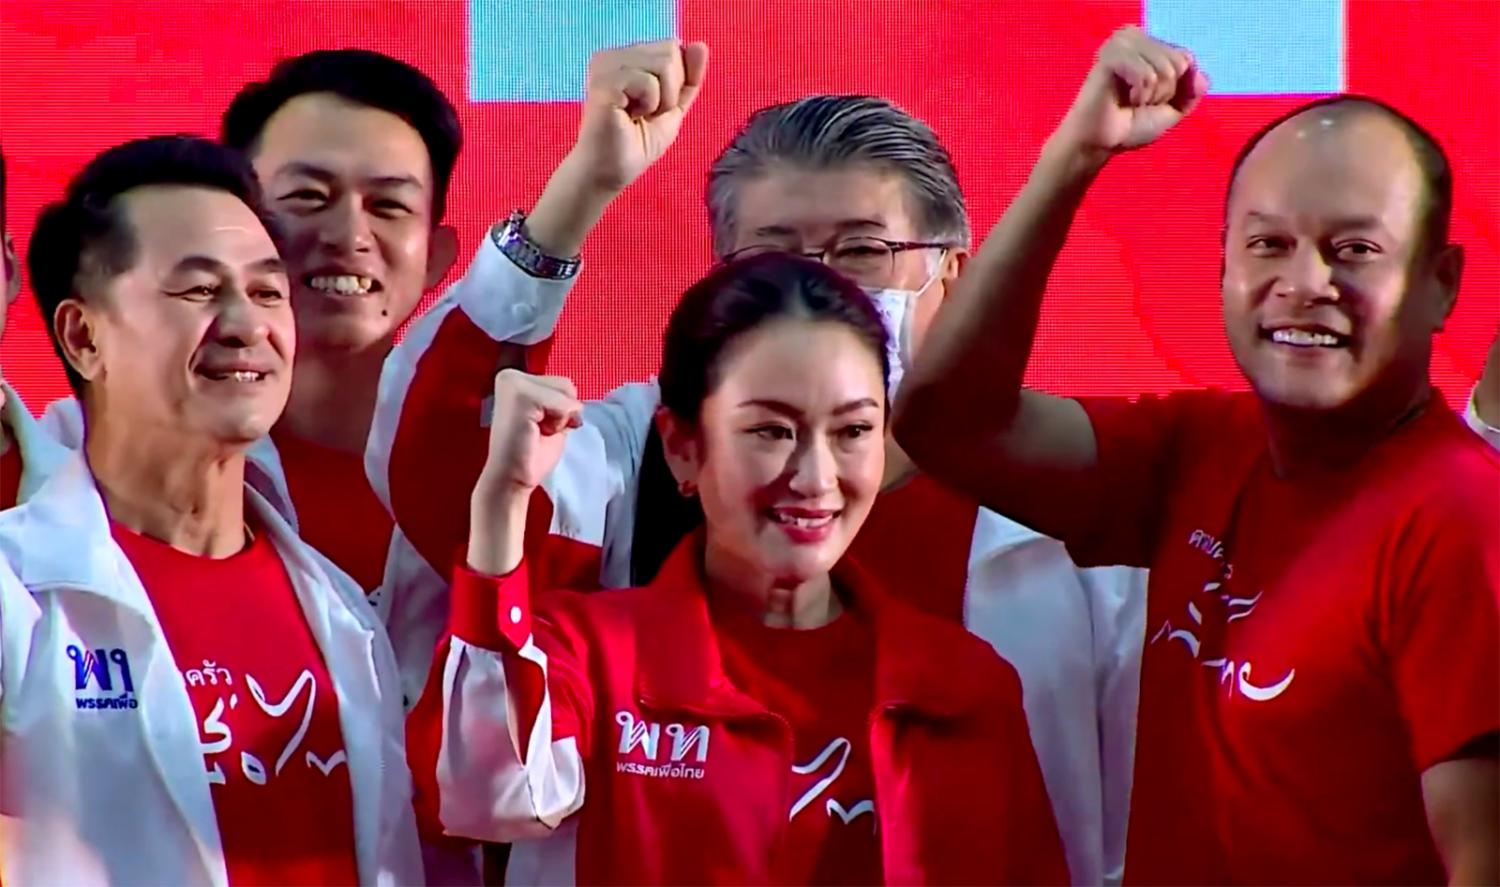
[{"x": 100, "y": 667}]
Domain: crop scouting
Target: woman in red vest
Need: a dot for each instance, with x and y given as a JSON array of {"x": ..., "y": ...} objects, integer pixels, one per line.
[{"x": 761, "y": 712}]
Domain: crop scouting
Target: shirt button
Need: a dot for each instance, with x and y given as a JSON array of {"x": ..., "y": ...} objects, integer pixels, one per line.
[{"x": 515, "y": 615}]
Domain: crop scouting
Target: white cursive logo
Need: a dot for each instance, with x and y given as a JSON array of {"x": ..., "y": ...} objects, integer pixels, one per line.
[
  {"x": 838, "y": 745},
  {"x": 838, "y": 752}
]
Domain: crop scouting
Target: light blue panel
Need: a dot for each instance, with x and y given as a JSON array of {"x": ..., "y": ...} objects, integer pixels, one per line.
[
  {"x": 538, "y": 50},
  {"x": 1258, "y": 47}
]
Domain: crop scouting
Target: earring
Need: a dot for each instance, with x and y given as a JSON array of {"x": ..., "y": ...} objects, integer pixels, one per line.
[{"x": 686, "y": 489}]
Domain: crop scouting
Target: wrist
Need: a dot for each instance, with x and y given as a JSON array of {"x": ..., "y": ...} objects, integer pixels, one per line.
[
  {"x": 1070, "y": 162},
  {"x": 570, "y": 205},
  {"x": 499, "y": 498},
  {"x": 497, "y": 527}
]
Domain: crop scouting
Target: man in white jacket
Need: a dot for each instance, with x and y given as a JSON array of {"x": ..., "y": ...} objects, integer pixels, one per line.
[
  {"x": 355, "y": 151},
  {"x": 149, "y": 732}
]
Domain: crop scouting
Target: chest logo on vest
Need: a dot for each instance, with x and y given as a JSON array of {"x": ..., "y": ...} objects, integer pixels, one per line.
[
  {"x": 95, "y": 675},
  {"x": 640, "y": 748}
]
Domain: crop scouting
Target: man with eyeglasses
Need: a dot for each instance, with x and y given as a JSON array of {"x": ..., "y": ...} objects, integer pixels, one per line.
[{"x": 868, "y": 189}]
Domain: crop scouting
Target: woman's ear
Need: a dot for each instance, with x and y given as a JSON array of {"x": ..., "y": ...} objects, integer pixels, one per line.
[{"x": 682, "y": 446}]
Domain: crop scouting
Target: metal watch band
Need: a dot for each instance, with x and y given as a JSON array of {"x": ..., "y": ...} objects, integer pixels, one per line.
[{"x": 510, "y": 237}]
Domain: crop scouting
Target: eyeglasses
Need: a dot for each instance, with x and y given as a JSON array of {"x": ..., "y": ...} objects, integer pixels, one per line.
[{"x": 866, "y": 260}]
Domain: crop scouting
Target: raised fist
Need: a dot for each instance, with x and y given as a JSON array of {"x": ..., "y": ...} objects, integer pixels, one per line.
[
  {"x": 533, "y": 415},
  {"x": 637, "y": 98},
  {"x": 1138, "y": 89}
]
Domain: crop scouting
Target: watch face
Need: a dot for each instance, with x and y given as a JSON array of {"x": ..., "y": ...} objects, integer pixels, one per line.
[{"x": 511, "y": 238}]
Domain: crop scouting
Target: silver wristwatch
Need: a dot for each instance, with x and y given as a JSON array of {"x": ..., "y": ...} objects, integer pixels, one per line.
[{"x": 510, "y": 237}]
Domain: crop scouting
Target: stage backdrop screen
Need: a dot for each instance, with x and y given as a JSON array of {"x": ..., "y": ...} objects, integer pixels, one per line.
[{"x": 1134, "y": 304}]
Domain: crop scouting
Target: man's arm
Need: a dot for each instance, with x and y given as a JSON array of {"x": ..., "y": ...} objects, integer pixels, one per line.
[
  {"x": 962, "y": 413},
  {"x": 1463, "y": 810},
  {"x": 1440, "y": 632},
  {"x": 428, "y": 439},
  {"x": 637, "y": 99}
]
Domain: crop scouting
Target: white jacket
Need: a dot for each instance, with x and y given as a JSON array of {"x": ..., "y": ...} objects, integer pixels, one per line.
[
  {"x": 120, "y": 794},
  {"x": 507, "y": 305},
  {"x": 41, "y": 454}
]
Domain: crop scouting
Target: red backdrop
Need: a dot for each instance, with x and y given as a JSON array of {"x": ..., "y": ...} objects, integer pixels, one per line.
[{"x": 1135, "y": 301}]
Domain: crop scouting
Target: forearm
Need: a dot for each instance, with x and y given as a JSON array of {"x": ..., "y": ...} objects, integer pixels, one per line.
[
  {"x": 981, "y": 341},
  {"x": 497, "y": 529},
  {"x": 569, "y": 208}
]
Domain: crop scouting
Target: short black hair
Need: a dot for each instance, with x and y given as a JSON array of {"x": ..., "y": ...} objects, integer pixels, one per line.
[
  {"x": 364, "y": 77},
  {"x": 1437, "y": 172},
  {"x": 85, "y": 234}
]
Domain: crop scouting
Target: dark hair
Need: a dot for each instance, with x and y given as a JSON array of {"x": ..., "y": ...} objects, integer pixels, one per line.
[
  {"x": 364, "y": 77},
  {"x": 1437, "y": 172},
  {"x": 86, "y": 234},
  {"x": 732, "y": 300}
]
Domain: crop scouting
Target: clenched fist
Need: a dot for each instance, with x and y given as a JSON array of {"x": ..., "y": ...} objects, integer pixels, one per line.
[
  {"x": 1139, "y": 88},
  {"x": 533, "y": 415},
  {"x": 637, "y": 98}
]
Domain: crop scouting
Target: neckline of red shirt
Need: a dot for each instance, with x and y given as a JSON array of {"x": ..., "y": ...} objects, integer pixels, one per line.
[{"x": 917, "y": 656}]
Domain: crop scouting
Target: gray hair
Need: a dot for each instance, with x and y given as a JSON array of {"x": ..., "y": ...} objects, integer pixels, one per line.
[{"x": 835, "y": 131}]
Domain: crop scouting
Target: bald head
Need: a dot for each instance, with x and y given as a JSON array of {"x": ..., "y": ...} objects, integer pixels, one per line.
[
  {"x": 1336, "y": 226},
  {"x": 1353, "y": 130}
]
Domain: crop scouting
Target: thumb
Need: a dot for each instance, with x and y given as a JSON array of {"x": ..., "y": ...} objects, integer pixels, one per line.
[
  {"x": 558, "y": 415},
  {"x": 1190, "y": 90},
  {"x": 695, "y": 66}
]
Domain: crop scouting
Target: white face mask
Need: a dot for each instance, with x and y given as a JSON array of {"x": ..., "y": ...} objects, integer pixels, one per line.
[{"x": 898, "y": 311}]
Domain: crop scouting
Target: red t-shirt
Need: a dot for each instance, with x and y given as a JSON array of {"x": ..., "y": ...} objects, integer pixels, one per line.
[
  {"x": 924, "y": 517},
  {"x": 821, "y": 681},
  {"x": 1312, "y": 644},
  {"x": 10, "y": 475},
  {"x": 268, "y": 710},
  {"x": 337, "y": 511}
]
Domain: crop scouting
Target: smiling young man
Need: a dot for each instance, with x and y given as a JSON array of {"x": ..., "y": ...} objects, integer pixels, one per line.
[
  {"x": 1319, "y": 698},
  {"x": 355, "y": 151},
  {"x": 152, "y": 735}
]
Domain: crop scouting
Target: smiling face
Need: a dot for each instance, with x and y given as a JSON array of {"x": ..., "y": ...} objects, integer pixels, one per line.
[
  {"x": 1331, "y": 294},
  {"x": 196, "y": 338},
  {"x": 787, "y": 455},
  {"x": 352, "y": 189}
]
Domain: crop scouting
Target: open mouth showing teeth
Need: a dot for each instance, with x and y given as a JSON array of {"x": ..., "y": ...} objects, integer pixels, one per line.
[
  {"x": 1299, "y": 338},
  {"x": 343, "y": 284},
  {"x": 805, "y": 522},
  {"x": 232, "y": 375}
]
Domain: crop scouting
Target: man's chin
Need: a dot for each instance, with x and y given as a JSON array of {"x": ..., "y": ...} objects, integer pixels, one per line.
[
  {"x": 348, "y": 333},
  {"x": 1305, "y": 395},
  {"x": 239, "y": 432}
]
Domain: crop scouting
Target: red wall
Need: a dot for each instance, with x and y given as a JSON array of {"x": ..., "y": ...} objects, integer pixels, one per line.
[{"x": 1134, "y": 304}]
